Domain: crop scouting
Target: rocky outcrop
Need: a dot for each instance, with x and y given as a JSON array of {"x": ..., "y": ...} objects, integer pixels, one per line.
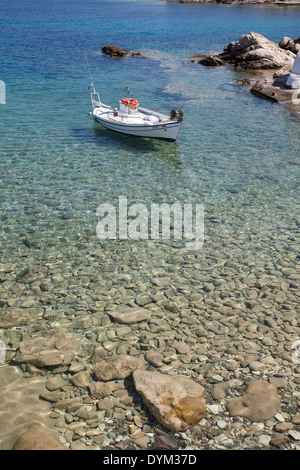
[
  {"x": 260, "y": 402},
  {"x": 176, "y": 402},
  {"x": 247, "y": 2},
  {"x": 117, "y": 52},
  {"x": 253, "y": 51}
]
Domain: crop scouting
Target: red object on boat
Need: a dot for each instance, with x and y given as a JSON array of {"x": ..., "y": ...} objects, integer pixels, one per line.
[{"x": 130, "y": 101}]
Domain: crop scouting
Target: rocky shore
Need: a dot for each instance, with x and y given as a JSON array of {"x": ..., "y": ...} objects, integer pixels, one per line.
[
  {"x": 171, "y": 361},
  {"x": 245, "y": 2},
  {"x": 266, "y": 64}
]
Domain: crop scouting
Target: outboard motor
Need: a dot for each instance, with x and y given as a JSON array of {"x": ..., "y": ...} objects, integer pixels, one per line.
[
  {"x": 173, "y": 114},
  {"x": 180, "y": 115},
  {"x": 176, "y": 115}
]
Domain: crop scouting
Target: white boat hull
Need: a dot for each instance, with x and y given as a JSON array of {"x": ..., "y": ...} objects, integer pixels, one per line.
[
  {"x": 167, "y": 131},
  {"x": 133, "y": 120}
]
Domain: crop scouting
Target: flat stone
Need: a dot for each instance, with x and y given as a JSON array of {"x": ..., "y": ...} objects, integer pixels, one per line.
[
  {"x": 127, "y": 315},
  {"x": 104, "y": 389},
  {"x": 279, "y": 382},
  {"x": 117, "y": 367},
  {"x": 51, "y": 396},
  {"x": 86, "y": 415},
  {"x": 260, "y": 402},
  {"x": 155, "y": 358},
  {"x": 294, "y": 435},
  {"x": 14, "y": 317},
  {"x": 283, "y": 427},
  {"x": 53, "y": 348},
  {"x": 38, "y": 438},
  {"x": 82, "y": 379},
  {"x": 181, "y": 347},
  {"x": 31, "y": 274},
  {"x": 55, "y": 383}
]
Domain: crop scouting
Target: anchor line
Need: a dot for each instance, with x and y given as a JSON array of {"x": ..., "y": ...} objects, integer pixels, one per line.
[{"x": 241, "y": 145}]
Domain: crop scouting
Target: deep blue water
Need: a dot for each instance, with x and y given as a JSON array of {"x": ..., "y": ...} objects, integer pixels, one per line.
[{"x": 57, "y": 165}]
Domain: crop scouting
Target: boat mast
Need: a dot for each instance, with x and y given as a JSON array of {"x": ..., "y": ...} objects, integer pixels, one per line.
[{"x": 92, "y": 83}]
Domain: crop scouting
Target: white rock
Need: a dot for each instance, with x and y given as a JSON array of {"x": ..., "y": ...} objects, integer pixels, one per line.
[
  {"x": 214, "y": 409},
  {"x": 279, "y": 417},
  {"x": 264, "y": 439},
  {"x": 294, "y": 435}
]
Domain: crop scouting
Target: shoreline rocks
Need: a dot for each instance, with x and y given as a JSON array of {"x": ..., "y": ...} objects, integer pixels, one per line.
[
  {"x": 255, "y": 54},
  {"x": 253, "y": 51},
  {"x": 245, "y": 2}
]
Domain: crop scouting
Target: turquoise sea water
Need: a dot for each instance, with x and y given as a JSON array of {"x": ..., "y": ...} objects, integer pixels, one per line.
[{"x": 57, "y": 165}]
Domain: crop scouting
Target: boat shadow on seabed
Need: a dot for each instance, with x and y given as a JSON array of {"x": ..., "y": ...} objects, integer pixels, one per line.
[{"x": 137, "y": 146}]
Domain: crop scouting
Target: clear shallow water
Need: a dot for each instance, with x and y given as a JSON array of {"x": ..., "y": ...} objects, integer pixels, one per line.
[{"x": 57, "y": 165}]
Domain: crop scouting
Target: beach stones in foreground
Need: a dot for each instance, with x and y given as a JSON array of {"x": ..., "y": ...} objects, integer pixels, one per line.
[{"x": 176, "y": 402}]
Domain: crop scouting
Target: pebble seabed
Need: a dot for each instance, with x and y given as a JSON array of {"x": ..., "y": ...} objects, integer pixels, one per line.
[{"x": 219, "y": 318}]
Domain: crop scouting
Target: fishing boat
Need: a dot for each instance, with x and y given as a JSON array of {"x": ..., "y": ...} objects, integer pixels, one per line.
[{"x": 131, "y": 119}]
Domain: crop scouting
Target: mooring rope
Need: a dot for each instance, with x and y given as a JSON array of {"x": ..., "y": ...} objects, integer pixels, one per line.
[{"x": 241, "y": 145}]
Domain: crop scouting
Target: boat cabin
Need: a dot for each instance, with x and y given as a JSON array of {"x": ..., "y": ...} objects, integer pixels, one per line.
[{"x": 129, "y": 106}]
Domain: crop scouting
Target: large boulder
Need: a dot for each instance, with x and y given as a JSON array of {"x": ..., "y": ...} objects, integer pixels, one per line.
[
  {"x": 254, "y": 51},
  {"x": 260, "y": 402},
  {"x": 176, "y": 402}
]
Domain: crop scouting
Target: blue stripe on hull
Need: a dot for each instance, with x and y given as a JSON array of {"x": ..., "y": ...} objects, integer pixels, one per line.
[
  {"x": 132, "y": 128},
  {"x": 139, "y": 136}
]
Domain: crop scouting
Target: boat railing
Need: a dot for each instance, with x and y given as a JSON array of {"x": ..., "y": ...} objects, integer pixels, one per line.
[
  {"x": 154, "y": 113},
  {"x": 97, "y": 102}
]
